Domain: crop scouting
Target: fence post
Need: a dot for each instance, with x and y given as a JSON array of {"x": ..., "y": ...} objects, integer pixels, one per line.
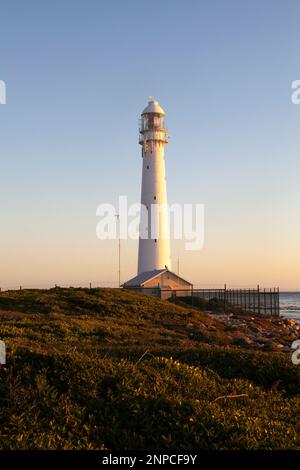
[
  {"x": 271, "y": 301},
  {"x": 258, "y": 300},
  {"x": 225, "y": 297}
]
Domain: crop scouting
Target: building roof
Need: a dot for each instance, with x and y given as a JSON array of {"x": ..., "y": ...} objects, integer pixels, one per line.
[
  {"x": 141, "y": 279},
  {"x": 153, "y": 107}
]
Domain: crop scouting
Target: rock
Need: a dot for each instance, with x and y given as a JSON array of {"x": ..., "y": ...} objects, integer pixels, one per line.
[
  {"x": 256, "y": 329},
  {"x": 263, "y": 340},
  {"x": 270, "y": 334},
  {"x": 212, "y": 328},
  {"x": 290, "y": 321},
  {"x": 268, "y": 347},
  {"x": 231, "y": 328},
  {"x": 243, "y": 341}
]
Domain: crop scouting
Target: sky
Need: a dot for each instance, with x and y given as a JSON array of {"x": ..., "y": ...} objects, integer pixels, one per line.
[{"x": 79, "y": 73}]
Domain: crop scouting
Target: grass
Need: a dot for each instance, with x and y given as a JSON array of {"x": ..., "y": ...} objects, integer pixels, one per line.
[{"x": 109, "y": 369}]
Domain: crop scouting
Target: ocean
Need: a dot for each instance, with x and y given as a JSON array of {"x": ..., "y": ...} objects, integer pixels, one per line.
[{"x": 290, "y": 304}]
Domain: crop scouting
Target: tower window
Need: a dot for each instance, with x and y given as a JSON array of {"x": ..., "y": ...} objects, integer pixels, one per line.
[
  {"x": 155, "y": 241},
  {"x": 147, "y": 167},
  {"x": 154, "y": 198}
]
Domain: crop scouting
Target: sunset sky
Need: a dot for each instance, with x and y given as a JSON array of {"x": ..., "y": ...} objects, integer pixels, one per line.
[{"x": 78, "y": 74}]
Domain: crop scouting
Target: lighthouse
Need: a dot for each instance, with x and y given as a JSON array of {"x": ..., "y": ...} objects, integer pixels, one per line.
[
  {"x": 154, "y": 275},
  {"x": 154, "y": 240}
]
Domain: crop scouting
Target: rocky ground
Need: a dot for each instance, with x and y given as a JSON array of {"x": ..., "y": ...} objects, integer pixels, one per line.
[{"x": 251, "y": 331}]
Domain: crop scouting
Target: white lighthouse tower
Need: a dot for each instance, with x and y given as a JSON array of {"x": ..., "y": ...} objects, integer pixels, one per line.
[
  {"x": 154, "y": 275},
  {"x": 154, "y": 242}
]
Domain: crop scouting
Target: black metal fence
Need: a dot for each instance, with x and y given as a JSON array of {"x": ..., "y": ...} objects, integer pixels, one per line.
[{"x": 261, "y": 301}]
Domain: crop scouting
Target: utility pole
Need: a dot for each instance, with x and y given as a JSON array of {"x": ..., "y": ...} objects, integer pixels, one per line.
[{"x": 119, "y": 243}]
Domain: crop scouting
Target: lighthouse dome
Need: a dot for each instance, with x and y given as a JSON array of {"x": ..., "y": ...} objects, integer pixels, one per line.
[{"x": 153, "y": 107}]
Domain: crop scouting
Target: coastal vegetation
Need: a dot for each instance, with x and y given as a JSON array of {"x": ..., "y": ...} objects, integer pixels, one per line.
[{"x": 112, "y": 369}]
